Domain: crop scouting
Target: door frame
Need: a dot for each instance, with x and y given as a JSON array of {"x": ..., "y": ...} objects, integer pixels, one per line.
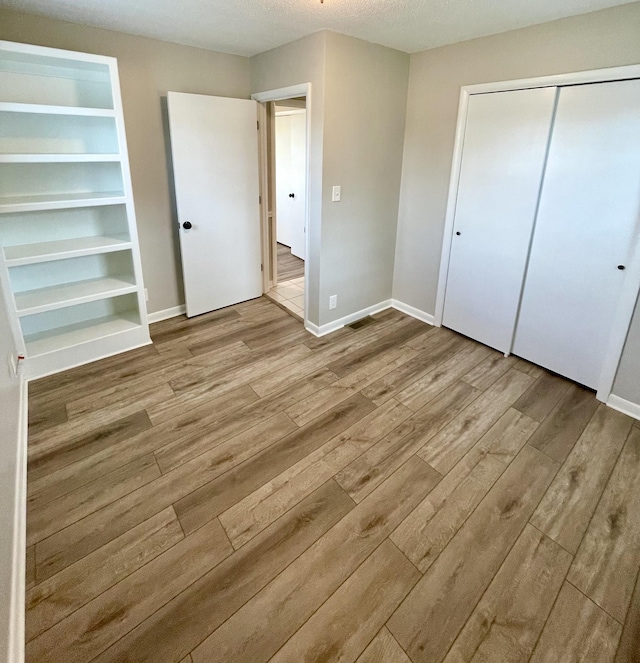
[
  {"x": 268, "y": 250},
  {"x": 631, "y": 286}
]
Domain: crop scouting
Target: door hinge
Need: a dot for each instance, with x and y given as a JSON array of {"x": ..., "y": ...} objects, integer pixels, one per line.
[
  {"x": 258, "y": 123},
  {"x": 259, "y": 200},
  {"x": 262, "y": 268}
]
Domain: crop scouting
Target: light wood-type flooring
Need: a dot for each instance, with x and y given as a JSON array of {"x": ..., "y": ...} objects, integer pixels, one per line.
[
  {"x": 290, "y": 296},
  {"x": 242, "y": 492},
  {"x": 289, "y": 266}
]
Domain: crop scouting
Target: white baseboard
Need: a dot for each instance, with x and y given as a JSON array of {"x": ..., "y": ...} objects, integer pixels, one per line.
[
  {"x": 323, "y": 330},
  {"x": 624, "y": 406},
  {"x": 159, "y": 316},
  {"x": 311, "y": 328},
  {"x": 15, "y": 650},
  {"x": 413, "y": 312}
]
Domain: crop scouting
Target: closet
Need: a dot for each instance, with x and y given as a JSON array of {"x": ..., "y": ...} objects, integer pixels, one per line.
[
  {"x": 547, "y": 217},
  {"x": 69, "y": 257}
]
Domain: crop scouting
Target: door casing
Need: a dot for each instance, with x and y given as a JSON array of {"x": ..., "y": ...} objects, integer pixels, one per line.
[{"x": 269, "y": 275}]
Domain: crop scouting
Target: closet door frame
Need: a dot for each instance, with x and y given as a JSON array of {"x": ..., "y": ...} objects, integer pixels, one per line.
[{"x": 631, "y": 287}]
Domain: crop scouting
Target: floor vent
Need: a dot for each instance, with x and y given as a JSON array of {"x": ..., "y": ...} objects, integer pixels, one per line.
[{"x": 362, "y": 322}]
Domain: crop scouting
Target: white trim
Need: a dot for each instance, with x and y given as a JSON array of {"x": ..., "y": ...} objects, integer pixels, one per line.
[
  {"x": 413, "y": 312},
  {"x": 312, "y": 329},
  {"x": 267, "y": 241},
  {"x": 42, "y": 371},
  {"x": 371, "y": 310},
  {"x": 18, "y": 562},
  {"x": 20, "y": 47},
  {"x": 631, "y": 286},
  {"x": 559, "y": 80},
  {"x": 284, "y": 113},
  {"x": 300, "y": 90},
  {"x": 282, "y": 93},
  {"x": 15, "y": 638},
  {"x": 159, "y": 316},
  {"x": 347, "y": 320},
  {"x": 626, "y": 407}
]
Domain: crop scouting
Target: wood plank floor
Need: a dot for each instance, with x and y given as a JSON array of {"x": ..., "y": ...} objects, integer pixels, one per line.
[
  {"x": 241, "y": 492},
  {"x": 289, "y": 266}
]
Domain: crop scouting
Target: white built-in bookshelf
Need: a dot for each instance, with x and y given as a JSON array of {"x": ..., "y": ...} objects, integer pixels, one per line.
[{"x": 69, "y": 247}]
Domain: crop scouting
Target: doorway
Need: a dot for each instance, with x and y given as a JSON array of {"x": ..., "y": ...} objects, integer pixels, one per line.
[
  {"x": 289, "y": 146},
  {"x": 284, "y": 185}
]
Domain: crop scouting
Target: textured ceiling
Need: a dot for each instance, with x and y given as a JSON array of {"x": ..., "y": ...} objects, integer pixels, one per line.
[{"x": 248, "y": 27}]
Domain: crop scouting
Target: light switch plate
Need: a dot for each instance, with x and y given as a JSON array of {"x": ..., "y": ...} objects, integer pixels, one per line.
[{"x": 335, "y": 195}]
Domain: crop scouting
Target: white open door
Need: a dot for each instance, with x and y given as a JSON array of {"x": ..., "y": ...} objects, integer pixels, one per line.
[{"x": 214, "y": 144}]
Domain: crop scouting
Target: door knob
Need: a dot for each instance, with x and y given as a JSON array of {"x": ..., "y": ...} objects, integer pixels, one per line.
[
  {"x": 187, "y": 225},
  {"x": 621, "y": 267},
  {"x": 292, "y": 195}
]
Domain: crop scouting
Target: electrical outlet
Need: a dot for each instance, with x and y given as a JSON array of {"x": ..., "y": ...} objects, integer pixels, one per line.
[{"x": 333, "y": 302}]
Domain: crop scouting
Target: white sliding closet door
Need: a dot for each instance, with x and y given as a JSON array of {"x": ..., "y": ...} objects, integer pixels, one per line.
[
  {"x": 505, "y": 146},
  {"x": 588, "y": 222}
]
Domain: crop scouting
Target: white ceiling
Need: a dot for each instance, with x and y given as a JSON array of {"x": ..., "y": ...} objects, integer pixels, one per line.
[{"x": 248, "y": 27}]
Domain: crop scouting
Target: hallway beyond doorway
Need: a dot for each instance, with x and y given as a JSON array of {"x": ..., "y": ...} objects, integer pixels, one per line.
[
  {"x": 289, "y": 292},
  {"x": 290, "y": 296},
  {"x": 289, "y": 266}
]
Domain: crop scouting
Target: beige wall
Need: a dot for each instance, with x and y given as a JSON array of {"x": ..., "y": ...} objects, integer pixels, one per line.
[
  {"x": 148, "y": 69},
  {"x": 302, "y": 61},
  {"x": 365, "y": 110},
  {"x": 627, "y": 384},
  {"x": 601, "y": 39},
  {"x": 358, "y": 109}
]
